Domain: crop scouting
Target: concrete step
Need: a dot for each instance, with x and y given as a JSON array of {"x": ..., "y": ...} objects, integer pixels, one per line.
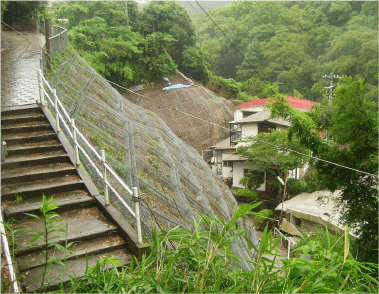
[
  {"x": 30, "y": 128},
  {"x": 13, "y": 172},
  {"x": 73, "y": 268},
  {"x": 12, "y": 162},
  {"x": 34, "y": 137},
  {"x": 21, "y": 110},
  {"x": 77, "y": 250},
  {"x": 49, "y": 187},
  {"x": 22, "y": 175},
  {"x": 34, "y": 148},
  {"x": 82, "y": 224},
  {"x": 22, "y": 118},
  {"x": 66, "y": 200}
]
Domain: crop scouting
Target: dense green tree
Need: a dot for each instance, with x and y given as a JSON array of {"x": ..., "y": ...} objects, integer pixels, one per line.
[
  {"x": 270, "y": 150},
  {"x": 121, "y": 55},
  {"x": 168, "y": 17},
  {"x": 74, "y": 12},
  {"x": 195, "y": 63},
  {"x": 350, "y": 121},
  {"x": 304, "y": 40},
  {"x": 21, "y": 10}
]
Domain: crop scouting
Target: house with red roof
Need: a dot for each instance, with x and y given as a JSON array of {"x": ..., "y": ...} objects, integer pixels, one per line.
[
  {"x": 251, "y": 107},
  {"x": 250, "y": 119}
]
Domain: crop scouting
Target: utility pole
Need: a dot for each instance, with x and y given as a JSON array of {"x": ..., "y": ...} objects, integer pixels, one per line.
[{"x": 331, "y": 77}]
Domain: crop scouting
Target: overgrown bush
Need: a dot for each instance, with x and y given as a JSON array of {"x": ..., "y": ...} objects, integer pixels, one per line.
[
  {"x": 313, "y": 183},
  {"x": 252, "y": 179},
  {"x": 248, "y": 193},
  {"x": 203, "y": 262},
  {"x": 262, "y": 218},
  {"x": 322, "y": 236},
  {"x": 295, "y": 186},
  {"x": 227, "y": 88}
]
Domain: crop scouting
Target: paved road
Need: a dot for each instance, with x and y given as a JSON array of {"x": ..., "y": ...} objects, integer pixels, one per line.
[{"x": 19, "y": 64}]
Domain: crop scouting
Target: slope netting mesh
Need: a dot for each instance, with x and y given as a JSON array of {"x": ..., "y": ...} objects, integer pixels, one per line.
[{"x": 175, "y": 183}]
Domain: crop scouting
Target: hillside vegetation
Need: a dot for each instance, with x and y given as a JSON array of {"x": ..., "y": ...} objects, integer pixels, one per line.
[
  {"x": 293, "y": 43},
  {"x": 143, "y": 45}
]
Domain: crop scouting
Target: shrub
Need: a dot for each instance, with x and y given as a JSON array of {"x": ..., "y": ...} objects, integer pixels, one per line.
[
  {"x": 227, "y": 88},
  {"x": 253, "y": 179},
  {"x": 296, "y": 186},
  {"x": 313, "y": 183},
  {"x": 262, "y": 218},
  {"x": 248, "y": 193}
]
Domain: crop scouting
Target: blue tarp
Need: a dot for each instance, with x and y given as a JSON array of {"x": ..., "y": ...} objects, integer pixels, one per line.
[{"x": 176, "y": 86}]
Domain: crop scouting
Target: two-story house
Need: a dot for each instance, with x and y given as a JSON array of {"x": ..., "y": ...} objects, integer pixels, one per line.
[{"x": 250, "y": 119}]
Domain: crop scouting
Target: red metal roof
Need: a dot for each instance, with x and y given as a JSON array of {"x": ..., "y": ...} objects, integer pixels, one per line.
[{"x": 293, "y": 101}]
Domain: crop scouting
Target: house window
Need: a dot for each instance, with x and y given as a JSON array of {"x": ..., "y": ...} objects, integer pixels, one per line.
[
  {"x": 227, "y": 163},
  {"x": 265, "y": 128},
  {"x": 247, "y": 113},
  {"x": 296, "y": 221}
]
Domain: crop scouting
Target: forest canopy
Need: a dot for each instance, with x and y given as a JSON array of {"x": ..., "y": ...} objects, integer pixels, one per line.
[
  {"x": 130, "y": 44},
  {"x": 292, "y": 43},
  {"x": 236, "y": 50}
]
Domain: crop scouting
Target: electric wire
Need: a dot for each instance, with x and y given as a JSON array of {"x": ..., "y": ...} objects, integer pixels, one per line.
[
  {"x": 215, "y": 124},
  {"x": 262, "y": 141},
  {"x": 235, "y": 47}
]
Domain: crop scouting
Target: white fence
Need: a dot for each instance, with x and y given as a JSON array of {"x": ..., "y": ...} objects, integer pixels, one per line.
[
  {"x": 285, "y": 238},
  {"x": 8, "y": 257},
  {"x": 62, "y": 117}
]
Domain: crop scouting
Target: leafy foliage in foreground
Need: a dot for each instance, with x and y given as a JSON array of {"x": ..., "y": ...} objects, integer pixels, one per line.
[{"x": 203, "y": 262}]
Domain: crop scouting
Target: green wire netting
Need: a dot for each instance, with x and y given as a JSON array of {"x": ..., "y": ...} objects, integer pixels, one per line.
[{"x": 175, "y": 183}]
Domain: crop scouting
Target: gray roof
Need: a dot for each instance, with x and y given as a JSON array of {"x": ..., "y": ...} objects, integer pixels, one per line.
[
  {"x": 261, "y": 116},
  {"x": 224, "y": 144},
  {"x": 235, "y": 157}
]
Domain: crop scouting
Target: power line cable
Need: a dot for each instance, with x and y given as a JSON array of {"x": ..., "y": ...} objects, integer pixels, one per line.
[
  {"x": 235, "y": 47},
  {"x": 215, "y": 124},
  {"x": 187, "y": 114}
]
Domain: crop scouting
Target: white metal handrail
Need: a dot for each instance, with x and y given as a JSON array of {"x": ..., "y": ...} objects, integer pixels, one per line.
[
  {"x": 63, "y": 116},
  {"x": 287, "y": 239},
  {"x": 8, "y": 256}
]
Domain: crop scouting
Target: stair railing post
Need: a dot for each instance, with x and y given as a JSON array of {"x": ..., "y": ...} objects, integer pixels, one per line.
[
  {"x": 106, "y": 194},
  {"x": 137, "y": 200},
  {"x": 77, "y": 162},
  {"x": 40, "y": 86},
  {"x": 56, "y": 110}
]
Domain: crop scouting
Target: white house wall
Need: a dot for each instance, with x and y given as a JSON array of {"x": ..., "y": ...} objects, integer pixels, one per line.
[
  {"x": 238, "y": 173},
  {"x": 278, "y": 127},
  {"x": 224, "y": 170},
  {"x": 249, "y": 130},
  {"x": 238, "y": 112}
]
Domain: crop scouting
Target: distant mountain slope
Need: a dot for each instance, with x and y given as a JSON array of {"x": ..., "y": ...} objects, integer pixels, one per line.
[
  {"x": 173, "y": 105},
  {"x": 174, "y": 182}
]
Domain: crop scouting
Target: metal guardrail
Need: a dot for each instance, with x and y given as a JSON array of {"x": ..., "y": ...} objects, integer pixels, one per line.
[
  {"x": 58, "y": 43},
  {"x": 60, "y": 114},
  {"x": 8, "y": 258},
  {"x": 285, "y": 238}
]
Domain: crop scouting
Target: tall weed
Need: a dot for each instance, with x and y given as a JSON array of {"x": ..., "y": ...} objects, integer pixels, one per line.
[{"x": 202, "y": 261}]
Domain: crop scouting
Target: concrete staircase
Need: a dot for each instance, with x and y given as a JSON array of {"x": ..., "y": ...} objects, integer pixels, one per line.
[{"x": 36, "y": 164}]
